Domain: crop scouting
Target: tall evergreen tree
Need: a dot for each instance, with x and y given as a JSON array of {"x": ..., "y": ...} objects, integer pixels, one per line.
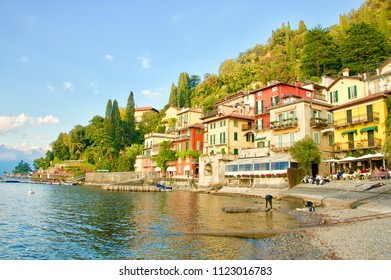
[
  {"x": 173, "y": 99},
  {"x": 116, "y": 130},
  {"x": 129, "y": 123},
  {"x": 184, "y": 90}
]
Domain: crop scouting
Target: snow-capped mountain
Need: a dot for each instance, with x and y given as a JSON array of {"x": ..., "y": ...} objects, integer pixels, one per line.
[{"x": 10, "y": 157}]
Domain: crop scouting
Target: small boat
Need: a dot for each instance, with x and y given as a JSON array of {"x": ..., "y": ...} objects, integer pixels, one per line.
[
  {"x": 163, "y": 187},
  {"x": 31, "y": 192}
]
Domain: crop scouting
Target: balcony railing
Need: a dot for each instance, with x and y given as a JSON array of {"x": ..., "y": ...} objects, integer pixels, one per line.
[
  {"x": 358, "y": 145},
  {"x": 318, "y": 123},
  {"x": 363, "y": 118},
  {"x": 246, "y": 126},
  {"x": 284, "y": 124},
  {"x": 181, "y": 137}
]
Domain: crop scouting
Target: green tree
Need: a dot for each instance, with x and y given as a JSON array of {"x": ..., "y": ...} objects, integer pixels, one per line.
[
  {"x": 165, "y": 154},
  {"x": 387, "y": 124},
  {"x": 127, "y": 160},
  {"x": 173, "y": 99},
  {"x": 320, "y": 54},
  {"x": 184, "y": 90},
  {"x": 306, "y": 152},
  {"x": 129, "y": 126},
  {"x": 364, "y": 48},
  {"x": 149, "y": 123},
  {"x": 60, "y": 147},
  {"x": 22, "y": 168}
]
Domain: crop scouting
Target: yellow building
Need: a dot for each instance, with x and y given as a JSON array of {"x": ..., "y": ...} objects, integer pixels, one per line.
[
  {"x": 358, "y": 125},
  {"x": 361, "y": 111}
]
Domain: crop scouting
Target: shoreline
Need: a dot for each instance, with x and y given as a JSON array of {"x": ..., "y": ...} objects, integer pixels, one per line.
[{"x": 352, "y": 224}]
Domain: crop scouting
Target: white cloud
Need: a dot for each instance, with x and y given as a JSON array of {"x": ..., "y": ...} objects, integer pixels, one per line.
[
  {"x": 14, "y": 123},
  {"x": 24, "y": 59},
  {"x": 151, "y": 94},
  {"x": 67, "y": 86},
  {"x": 50, "y": 87},
  {"x": 145, "y": 62},
  {"x": 109, "y": 57}
]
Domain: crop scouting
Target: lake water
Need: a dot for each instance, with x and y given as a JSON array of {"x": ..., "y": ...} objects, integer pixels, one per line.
[{"x": 77, "y": 222}]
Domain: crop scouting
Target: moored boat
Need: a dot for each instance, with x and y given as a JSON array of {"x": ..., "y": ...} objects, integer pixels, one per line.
[{"x": 163, "y": 187}]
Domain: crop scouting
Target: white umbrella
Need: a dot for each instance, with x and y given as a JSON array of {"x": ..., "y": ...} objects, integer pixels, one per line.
[{"x": 347, "y": 159}]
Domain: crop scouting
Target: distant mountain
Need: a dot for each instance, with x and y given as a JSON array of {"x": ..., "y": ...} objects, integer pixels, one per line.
[{"x": 9, "y": 157}]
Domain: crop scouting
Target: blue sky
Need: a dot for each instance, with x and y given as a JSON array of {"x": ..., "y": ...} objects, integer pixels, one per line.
[{"x": 62, "y": 60}]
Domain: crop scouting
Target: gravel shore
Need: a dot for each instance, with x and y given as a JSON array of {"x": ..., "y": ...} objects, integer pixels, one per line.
[{"x": 333, "y": 234}]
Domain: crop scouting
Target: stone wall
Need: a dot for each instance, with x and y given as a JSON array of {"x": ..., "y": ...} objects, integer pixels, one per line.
[
  {"x": 111, "y": 177},
  {"x": 212, "y": 169}
]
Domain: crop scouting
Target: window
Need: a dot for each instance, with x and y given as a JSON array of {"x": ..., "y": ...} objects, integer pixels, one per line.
[
  {"x": 316, "y": 138},
  {"x": 235, "y": 123},
  {"x": 308, "y": 94},
  {"x": 210, "y": 126},
  {"x": 199, "y": 146},
  {"x": 280, "y": 165},
  {"x": 333, "y": 96},
  {"x": 221, "y": 123},
  {"x": 236, "y": 151},
  {"x": 329, "y": 117},
  {"x": 235, "y": 136},
  {"x": 187, "y": 146},
  {"x": 352, "y": 92},
  {"x": 210, "y": 140},
  {"x": 331, "y": 139},
  {"x": 198, "y": 130}
]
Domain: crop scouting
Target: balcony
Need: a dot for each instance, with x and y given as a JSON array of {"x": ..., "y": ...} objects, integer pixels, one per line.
[
  {"x": 318, "y": 123},
  {"x": 181, "y": 137},
  {"x": 282, "y": 147},
  {"x": 358, "y": 145},
  {"x": 363, "y": 118},
  {"x": 247, "y": 126},
  {"x": 284, "y": 124}
]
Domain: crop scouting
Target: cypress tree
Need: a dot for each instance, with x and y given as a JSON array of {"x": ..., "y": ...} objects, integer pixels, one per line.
[{"x": 129, "y": 127}]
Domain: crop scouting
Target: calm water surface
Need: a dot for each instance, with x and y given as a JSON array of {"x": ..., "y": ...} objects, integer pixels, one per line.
[{"x": 61, "y": 222}]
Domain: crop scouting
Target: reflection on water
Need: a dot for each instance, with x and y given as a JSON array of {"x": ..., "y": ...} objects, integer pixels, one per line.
[{"x": 88, "y": 223}]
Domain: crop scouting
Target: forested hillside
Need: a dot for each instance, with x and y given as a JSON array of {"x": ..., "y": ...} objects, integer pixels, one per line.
[{"x": 361, "y": 41}]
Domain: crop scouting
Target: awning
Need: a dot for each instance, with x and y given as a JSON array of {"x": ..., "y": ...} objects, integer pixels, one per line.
[
  {"x": 349, "y": 131},
  {"x": 369, "y": 128},
  {"x": 171, "y": 169},
  {"x": 187, "y": 168},
  {"x": 157, "y": 169},
  {"x": 260, "y": 138}
]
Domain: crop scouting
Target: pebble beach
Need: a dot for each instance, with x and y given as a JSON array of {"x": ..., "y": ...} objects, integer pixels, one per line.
[{"x": 338, "y": 231}]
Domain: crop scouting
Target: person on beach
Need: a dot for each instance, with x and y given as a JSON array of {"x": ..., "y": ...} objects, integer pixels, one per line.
[
  {"x": 310, "y": 206},
  {"x": 269, "y": 201}
]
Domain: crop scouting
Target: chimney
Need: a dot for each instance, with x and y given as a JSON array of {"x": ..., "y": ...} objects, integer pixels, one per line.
[{"x": 345, "y": 72}]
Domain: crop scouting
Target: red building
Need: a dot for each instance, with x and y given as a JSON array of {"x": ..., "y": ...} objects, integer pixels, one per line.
[
  {"x": 188, "y": 140},
  {"x": 274, "y": 95}
]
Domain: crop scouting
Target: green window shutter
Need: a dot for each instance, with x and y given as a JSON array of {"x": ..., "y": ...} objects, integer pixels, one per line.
[
  {"x": 210, "y": 140},
  {"x": 235, "y": 136},
  {"x": 331, "y": 97},
  {"x": 336, "y": 96},
  {"x": 349, "y": 94},
  {"x": 256, "y": 107}
]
